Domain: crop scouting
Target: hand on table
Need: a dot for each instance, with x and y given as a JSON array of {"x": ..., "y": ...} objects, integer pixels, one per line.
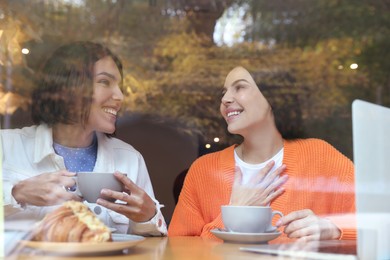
[
  {"x": 45, "y": 189},
  {"x": 261, "y": 188},
  {"x": 139, "y": 206},
  {"x": 306, "y": 226}
]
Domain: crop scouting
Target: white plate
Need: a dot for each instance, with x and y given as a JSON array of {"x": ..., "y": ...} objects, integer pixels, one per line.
[
  {"x": 120, "y": 242},
  {"x": 253, "y": 238}
]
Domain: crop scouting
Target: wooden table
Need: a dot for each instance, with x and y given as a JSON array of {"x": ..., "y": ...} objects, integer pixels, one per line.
[
  {"x": 188, "y": 248},
  {"x": 196, "y": 248}
]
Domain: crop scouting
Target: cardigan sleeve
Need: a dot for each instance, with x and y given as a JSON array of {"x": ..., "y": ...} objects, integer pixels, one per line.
[
  {"x": 344, "y": 189},
  {"x": 321, "y": 179},
  {"x": 198, "y": 208},
  {"x": 188, "y": 218}
]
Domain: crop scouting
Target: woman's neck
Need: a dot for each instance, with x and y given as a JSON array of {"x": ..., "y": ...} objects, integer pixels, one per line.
[
  {"x": 260, "y": 146},
  {"x": 74, "y": 136}
]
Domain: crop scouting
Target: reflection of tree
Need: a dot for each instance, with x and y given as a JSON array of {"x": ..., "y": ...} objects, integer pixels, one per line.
[
  {"x": 363, "y": 26},
  {"x": 299, "y": 52},
  {"x": 201, "y": 14},
  {"x": 12, "y": 64}
]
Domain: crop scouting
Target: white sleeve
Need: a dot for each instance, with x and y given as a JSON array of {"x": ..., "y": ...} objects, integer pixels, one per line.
[
  {"x": 154, "y": 227},
  {"x": 10, "y": 178},
  {"x": 7, "y": 182}
]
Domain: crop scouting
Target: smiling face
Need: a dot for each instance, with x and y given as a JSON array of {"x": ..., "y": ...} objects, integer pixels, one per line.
[
  {"x": 243, "y": 106},
  {"x": 107, "y": 96}
]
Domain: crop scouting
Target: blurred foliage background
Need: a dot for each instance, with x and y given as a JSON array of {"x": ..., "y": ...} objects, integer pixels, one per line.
[{"x": 176, "y": 54}]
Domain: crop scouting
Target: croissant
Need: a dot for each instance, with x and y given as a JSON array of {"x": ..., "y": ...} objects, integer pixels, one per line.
[{"x": 72, "y": 222}]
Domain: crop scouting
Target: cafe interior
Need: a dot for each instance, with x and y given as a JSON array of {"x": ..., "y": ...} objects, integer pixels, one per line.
[{"x": 323, "y": 65}]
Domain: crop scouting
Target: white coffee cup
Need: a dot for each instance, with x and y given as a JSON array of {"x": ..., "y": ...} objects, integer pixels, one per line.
[
  {"x": 248, "y": 219},
  {"x": 90, "y": 184}
]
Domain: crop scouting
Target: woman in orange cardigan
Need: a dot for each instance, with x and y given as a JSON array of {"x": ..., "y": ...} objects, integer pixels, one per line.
[{"x": 306, "y": 179}]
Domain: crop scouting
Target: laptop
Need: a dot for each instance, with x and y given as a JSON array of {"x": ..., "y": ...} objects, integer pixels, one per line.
[
  {"x": 323, "y": 250},
  {"x": 371, "y": 152}
]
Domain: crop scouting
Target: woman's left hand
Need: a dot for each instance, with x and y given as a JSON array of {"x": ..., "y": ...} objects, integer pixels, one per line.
[
  {"x": 306, "y": 226},
  {"x": 139, "y": 206}
]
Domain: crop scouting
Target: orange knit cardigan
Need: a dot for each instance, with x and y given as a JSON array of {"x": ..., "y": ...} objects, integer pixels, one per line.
[{"x": 320, "y": 179}]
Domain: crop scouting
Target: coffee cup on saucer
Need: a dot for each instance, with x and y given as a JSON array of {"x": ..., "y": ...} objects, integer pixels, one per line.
[
  {"x": 90, "y": 184},
  {"x": 248, "y": 219}
]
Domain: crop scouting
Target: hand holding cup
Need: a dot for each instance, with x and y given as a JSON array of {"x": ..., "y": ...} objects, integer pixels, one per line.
[{"x": 133, "y": 203}]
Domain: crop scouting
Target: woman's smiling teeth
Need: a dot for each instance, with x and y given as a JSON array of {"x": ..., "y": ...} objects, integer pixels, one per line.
[
  {"x": 233, "y": 113},
  {"x": 110, "y": 111}
]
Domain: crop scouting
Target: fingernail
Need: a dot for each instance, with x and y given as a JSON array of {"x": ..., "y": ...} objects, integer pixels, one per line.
[
  {"x": 118, "y": 174},
  {"x": 278, "y": 223},
  {"x": 104, "y": 191}
]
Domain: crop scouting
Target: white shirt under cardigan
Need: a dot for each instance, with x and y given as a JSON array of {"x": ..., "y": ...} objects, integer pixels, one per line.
[
  {"x": 28, "y": 152},
  {"x": 249, "y": 170}
]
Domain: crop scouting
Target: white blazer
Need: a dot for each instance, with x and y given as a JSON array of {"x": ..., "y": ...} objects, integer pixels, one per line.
[{"x": 28, "y": 152}]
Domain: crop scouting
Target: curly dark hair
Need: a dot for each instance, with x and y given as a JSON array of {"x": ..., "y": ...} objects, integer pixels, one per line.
[{"x": 65, "y": 83}]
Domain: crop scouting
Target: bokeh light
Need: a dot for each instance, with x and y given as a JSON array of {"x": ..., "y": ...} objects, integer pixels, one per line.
[{"x": 353, "y": 66}]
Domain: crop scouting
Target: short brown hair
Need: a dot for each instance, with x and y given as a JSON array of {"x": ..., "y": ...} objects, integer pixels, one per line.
[{"x": 65, "y": 85}]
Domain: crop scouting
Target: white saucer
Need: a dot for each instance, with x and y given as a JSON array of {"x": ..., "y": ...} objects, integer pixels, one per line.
[{"x": 252, "y": 238}]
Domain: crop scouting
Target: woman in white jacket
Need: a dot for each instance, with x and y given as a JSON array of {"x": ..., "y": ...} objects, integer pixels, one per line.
[{"x": 75, "y": 108}]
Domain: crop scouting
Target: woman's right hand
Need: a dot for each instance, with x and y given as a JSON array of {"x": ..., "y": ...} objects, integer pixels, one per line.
[
  {"x": 45, "y": 189},
  {"x": 261, "y": 188}
]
